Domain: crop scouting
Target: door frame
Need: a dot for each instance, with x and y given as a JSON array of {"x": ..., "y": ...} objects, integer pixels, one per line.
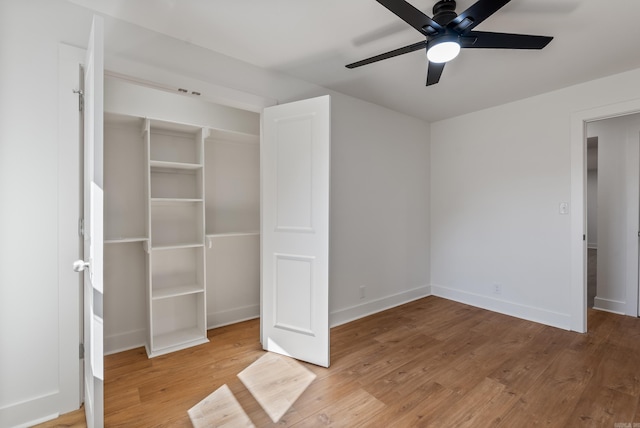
[
  {"x": 69, "y": 240},
  {"x": 70, "y": 190},
  {"x": 579, "y": 122}
]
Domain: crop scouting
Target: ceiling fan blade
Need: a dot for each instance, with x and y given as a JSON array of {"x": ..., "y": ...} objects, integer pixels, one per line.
[
  {"x": 475, "y": 14},
  {"x": 434, "y": 71},
  {"x": 390, "y": 54},
  {"x": 488, "y": 40},
  {"x": 412, "y": 16}
]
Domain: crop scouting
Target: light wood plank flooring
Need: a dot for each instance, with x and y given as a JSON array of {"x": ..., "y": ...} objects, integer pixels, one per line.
[{"x": 432, "y": 362}]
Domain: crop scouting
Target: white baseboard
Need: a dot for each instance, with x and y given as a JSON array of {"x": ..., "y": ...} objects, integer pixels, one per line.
[
  {"x": 513, "y": 309},
  {"x": 343, "y": 316},
  {"x": 134, "y": 339},
  {"x": 34, "y": 411},
  {"x": 232, "y": 316},
  {"x": 124, "y": 341},
  {"x": 614, "y": 306}
]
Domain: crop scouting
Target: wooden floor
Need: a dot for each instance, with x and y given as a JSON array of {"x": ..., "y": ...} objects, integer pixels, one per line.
[{"x": 432, "y": 362}]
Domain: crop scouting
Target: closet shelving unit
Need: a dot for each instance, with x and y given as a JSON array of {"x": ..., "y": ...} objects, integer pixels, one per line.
[
  {"x": 181, "y": 218},
  {"x": 176, "y": 292}
]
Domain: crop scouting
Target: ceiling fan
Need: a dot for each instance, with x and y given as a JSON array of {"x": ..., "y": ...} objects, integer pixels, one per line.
[{"x": 447, "y": 32}]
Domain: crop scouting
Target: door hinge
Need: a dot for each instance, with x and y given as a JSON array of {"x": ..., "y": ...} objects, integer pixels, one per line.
[
  {"x": 81, "y": 227},
  {"x": 81, "y": 351},
  {"x": 80, "y": 93},
  {"x": 584, "y": 237}
]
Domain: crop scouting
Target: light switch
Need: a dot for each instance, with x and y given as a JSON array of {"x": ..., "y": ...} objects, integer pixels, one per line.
[{"x": 564, "y": 208}]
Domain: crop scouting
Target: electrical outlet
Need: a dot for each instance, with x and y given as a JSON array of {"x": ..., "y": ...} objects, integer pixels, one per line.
[
  {"x": 362, "y": 292},
  {"x": 564, "y": 208},
  {"x": 497, "y": 289}
]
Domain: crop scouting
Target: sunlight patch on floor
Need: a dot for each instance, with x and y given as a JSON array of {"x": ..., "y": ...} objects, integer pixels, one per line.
[
  {"x": 219, "y": 409},
  {"x": 276, "y": 382}
]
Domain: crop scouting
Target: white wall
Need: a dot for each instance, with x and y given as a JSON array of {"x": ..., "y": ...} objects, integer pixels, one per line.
[
  {"x": 618, "y": 198},
  {"x": 379, "y": 209},
  {"x": 380, "y": 191},
  {"x": 498, "y": 176},
  {"x": 232, "y": 186},
  {"x": 233, "y": 279}
]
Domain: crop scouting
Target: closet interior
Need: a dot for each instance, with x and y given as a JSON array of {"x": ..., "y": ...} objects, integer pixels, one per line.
[{"x": 181, "y": 218}]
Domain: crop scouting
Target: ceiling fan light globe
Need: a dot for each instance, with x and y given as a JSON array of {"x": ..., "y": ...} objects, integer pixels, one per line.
[{"x": 443, "y": 52}]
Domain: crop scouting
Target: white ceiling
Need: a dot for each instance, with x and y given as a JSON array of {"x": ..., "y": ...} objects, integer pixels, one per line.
[{"x": 313, "y": 40}]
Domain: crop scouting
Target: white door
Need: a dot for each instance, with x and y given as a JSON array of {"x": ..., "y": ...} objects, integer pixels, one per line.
[
  {"x": 295, "y": 155},
  {"x": 93, "y": 227}
]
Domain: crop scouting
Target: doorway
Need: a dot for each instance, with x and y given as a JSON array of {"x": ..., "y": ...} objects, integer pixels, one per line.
[
  {"x": 579, "y": 247},
  {"x": 616, "y": 214}
]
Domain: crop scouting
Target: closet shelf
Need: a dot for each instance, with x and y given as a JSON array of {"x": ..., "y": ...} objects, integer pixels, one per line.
[
  {"x": 176, "y": 340},
  {"x": 229, "y": 234},
  {"x": 177, "y": 246},
  {"x": 174, "y": 165},
  {"x": 180, "y": 290},
  {"x": 160, "y": 201},
  {"x": 125, "y": 240}
]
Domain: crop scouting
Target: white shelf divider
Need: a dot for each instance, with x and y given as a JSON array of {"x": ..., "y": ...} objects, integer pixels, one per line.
[{"x": 179, "y": 290}]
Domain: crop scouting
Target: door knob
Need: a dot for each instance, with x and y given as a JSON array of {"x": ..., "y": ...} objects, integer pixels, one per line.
[{"x": 80, "y": 265}]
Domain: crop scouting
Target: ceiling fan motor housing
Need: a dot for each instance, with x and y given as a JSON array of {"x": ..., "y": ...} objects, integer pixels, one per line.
[{"x": 444, "y": 12}]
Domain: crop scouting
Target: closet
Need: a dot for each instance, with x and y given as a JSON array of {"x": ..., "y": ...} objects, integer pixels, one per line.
[{"x": 181, "y": 218}]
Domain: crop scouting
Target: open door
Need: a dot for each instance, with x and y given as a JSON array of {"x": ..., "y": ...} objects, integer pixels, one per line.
[
  {"x": 93, "y": 227},
  {"x": 295, "y": 156}
]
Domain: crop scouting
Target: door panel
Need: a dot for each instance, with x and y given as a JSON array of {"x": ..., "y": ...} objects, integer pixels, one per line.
[
  {"x": 295, "y": 152},
  {"x": 293, "y": 148},
  {"x": 293, "y": 282}
]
